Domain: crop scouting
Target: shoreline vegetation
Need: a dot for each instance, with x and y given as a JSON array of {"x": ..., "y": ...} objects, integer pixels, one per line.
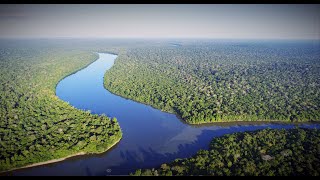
[
  {"x": 60, "y": 159},
  {"x": 55, "y": 129}
]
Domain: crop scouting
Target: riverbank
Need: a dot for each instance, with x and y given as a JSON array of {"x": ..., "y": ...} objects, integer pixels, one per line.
[{"x": 58, "y": 160}]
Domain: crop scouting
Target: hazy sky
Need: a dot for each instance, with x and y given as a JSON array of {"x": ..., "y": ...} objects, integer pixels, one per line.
[{"x": 161, "y": 21}]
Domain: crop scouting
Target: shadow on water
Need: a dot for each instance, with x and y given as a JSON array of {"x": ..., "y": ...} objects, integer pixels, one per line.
[{"x": 153, "y": 159}]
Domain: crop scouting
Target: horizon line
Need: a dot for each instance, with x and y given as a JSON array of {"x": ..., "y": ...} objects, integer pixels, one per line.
[{"x": 160, "y": 38}]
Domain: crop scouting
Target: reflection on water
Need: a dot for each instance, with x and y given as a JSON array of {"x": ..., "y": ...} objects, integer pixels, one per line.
[{"x": 150, "y": 137}]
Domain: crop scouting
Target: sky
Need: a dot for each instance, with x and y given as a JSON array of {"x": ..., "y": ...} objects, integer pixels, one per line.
[{"x": 218, "y": 21}]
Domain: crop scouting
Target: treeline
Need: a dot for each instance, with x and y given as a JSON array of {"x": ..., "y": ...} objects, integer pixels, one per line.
[
  {"x": 268, "y": 152},
  {"x": 210, "y": 82},
  {"x": 35, "y": 124}
]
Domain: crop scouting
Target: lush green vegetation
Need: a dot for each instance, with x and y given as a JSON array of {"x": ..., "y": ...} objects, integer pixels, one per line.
[
  {"x": 223, "y": 81},
  {"x": 35, "y": 124},
  {"x": 264, "y": 152}
]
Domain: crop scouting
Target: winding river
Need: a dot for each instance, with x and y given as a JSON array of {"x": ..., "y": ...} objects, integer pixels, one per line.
[{"x": 150, "y": 137}]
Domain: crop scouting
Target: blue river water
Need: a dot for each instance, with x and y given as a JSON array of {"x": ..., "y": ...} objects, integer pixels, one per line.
[{"x": 150, "y": 137}]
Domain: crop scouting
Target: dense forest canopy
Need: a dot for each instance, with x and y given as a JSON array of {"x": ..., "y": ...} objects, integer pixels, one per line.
[
  {"x": 35, "y": 124},
  {"x": 267, "y": 152},
  {"x": 204, "y": 81}
]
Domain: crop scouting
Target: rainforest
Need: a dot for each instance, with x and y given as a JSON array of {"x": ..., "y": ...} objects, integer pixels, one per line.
[{"x": 151, "y": 107}]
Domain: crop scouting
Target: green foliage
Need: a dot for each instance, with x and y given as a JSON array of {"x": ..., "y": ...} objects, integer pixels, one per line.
[
  {"x": 207, "y": 82},
  {"x": 35, "y": 124},
  {"x": 260, "y": 153}
]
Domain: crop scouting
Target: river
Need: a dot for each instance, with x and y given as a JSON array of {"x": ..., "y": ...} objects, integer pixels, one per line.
[{"x": 150, "y": 137}]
